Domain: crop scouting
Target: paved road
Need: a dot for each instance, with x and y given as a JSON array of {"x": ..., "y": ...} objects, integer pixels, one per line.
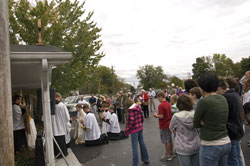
[{"x": 119, "y": 153}]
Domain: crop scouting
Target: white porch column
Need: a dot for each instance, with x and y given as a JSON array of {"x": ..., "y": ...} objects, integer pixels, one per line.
[{"x": 50, "y": 161}]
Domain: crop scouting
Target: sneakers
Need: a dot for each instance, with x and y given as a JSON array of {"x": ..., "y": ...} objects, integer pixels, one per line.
[
  {"x": 166, "y": 158},
  {"x": 174, "y": 155}
]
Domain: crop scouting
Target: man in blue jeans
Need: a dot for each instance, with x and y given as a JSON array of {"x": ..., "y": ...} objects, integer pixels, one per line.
[{"x": 134, "y": 126}]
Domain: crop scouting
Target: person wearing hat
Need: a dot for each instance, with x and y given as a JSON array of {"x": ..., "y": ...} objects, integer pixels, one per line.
[
  {"x": 123, "y": 100},
  {"x": 151, "y": 95},
  {"x": 144, "y": 100}
]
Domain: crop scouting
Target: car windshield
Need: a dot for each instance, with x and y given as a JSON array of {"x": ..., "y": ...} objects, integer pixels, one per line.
[
  {"x": 86, "y": 98},
  {"x": 71, "y": 99}
]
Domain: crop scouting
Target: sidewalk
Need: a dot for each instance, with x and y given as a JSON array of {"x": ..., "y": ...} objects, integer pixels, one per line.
[{"x": 71, "y": 159}]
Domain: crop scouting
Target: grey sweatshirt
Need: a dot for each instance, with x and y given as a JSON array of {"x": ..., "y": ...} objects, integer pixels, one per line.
[{"x": 187, "y": 140}]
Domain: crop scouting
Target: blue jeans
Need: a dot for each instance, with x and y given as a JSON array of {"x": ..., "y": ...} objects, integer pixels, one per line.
[
  {"x": 189, "y": 160},
  {"x": 234, "y": 157},
  {"x": 135, "y": 138},
  {"x": 216, "y": 155}
]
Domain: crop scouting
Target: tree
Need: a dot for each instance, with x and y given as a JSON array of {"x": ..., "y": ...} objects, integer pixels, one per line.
[
  {"x": 218, "y": 64},
  {"x": 151, "y": 76},
  {"x": 6, "y": 119},
  {"x": 177, "y": 81},
  {"x": 65, "y": 24},
  {"x": 202, "y": 65},
  {"x": 101, "y": 80},
  {"x": 245, "y": 65},
  {"x": 237, "y": 71},
  {"x": 222, "y": 65}
]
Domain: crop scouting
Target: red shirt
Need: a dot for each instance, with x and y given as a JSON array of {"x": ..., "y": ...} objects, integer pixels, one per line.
[
  {"x": 145, "y": 97},
  {"x": 108, "y": 102},
  {"x": 165, "y": 110}
]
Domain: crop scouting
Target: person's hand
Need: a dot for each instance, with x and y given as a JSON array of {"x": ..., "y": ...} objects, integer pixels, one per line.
[
  {"x": 202, "y": 123},
  {"x": 81, "y": 121},
  {"x": 155, "y": 115}
]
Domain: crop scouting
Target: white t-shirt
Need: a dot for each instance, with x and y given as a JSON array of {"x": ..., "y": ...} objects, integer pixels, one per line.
[
  {"x": 94, "y": 132},
  {"x": 151, "y": 94},
  {"x": 114, "y": 124}
]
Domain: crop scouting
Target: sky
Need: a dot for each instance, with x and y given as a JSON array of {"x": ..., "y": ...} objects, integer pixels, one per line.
[{"x": 169, "y": 33}]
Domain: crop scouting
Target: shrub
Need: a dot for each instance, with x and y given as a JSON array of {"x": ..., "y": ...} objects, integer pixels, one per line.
[{"x": 25, "y": 158}]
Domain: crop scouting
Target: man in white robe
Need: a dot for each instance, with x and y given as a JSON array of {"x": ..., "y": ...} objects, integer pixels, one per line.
[
  {"x": 60, "y": 125},
  {"x": 115, "y": 132},
  {"x": 92, "y": 131},
  {"x": 18, "y": 125},
  {"x": 104, "y": 114}
]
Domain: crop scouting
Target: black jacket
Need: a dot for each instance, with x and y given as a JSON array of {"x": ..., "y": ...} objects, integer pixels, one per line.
[{"x": 234, "y": 124}]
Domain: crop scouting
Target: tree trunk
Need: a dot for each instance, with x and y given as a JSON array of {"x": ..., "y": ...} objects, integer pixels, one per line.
[{"x": 6, "y": 125}]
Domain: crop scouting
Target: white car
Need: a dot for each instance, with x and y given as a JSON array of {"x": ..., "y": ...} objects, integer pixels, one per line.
[{"x": 72, "y": 101}]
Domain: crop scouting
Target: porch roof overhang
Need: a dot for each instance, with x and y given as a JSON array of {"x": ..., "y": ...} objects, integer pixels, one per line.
[{"x": 26, "y": 63}]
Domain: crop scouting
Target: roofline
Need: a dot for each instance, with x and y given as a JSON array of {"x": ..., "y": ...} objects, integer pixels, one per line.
[{"x": 36, "y": 57}]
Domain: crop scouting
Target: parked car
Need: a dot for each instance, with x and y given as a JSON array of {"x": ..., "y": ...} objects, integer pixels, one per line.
[{"x": 71, "y": 103}]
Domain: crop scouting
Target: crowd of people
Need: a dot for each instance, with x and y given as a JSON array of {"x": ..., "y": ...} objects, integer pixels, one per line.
[
  {"x": 201, "y": 125},
  {"x": 204, "y": 125}
]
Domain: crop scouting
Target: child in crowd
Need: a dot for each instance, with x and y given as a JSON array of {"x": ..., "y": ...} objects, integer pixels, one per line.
[
  {"x": 173, "y": 101},
  {"x": 187, "y": 139},
  {"x": 174, "y": 109},
  {"x": 164, "y": 115},
  {"x": 104, "y": 114},
  {"x": 92, "y": 131},
  {"x": 114, "y": 131},
  {"x": 195, "y": 94},
  {"x": 79, "y": 134}
]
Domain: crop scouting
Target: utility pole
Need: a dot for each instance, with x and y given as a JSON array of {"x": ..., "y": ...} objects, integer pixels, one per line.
[{"x": 6, "y": 127}]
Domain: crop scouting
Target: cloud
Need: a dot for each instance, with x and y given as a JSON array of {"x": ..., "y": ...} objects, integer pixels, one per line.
[
  {"x": 171, "y": 34},
  {"x": 121, "y": 44}
]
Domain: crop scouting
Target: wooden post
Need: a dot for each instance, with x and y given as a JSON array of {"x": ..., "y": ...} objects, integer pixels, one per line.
[{"x": 6, "y": 124}]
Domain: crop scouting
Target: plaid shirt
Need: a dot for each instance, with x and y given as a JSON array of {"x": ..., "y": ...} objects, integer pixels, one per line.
[{"x": 135, "y": 120}]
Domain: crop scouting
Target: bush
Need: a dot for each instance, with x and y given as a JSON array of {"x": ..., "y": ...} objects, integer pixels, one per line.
[{"x": 25, "y": 158}]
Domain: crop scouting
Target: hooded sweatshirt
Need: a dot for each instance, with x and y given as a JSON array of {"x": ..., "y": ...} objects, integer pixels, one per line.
[
  {"x": 187, "y": 140},
  {"x": 135, "y": 119}
]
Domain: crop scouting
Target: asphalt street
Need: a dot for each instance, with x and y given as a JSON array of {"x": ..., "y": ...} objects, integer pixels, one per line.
[{"x": 119, "y": 153}]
